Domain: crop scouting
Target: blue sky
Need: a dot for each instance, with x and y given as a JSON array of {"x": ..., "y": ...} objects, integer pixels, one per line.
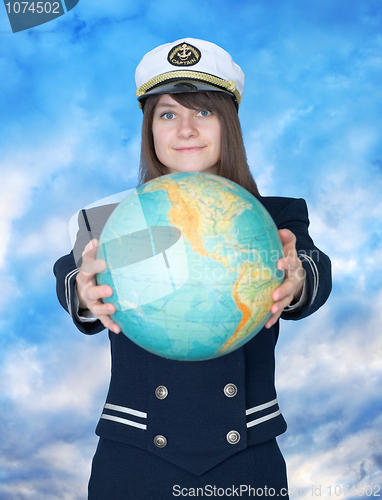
[{"x": 69, "y": 135}]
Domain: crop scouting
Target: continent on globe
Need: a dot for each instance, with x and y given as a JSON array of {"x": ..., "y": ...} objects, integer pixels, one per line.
[{"x": 192, "y": 261}]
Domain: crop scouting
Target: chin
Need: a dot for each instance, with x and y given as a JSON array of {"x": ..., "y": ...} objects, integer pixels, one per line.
[{"x": 195, "y": 169}]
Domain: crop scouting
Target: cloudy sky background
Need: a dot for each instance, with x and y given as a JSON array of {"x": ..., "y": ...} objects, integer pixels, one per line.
[{"x": 70, "y": 134}]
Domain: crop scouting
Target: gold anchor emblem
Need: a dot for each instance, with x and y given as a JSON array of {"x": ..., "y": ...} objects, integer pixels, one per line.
[{"x": 184, "y": 54}]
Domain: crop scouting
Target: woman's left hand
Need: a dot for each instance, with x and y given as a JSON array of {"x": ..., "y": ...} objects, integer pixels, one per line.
[{"x": 290, "y": 291}]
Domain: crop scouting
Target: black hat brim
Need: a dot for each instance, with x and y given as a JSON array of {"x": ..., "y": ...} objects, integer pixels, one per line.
[{"x": 181, "y": 86}]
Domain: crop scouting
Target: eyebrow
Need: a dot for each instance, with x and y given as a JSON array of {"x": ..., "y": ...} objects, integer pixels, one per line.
[{"x": 164, "y": 105}]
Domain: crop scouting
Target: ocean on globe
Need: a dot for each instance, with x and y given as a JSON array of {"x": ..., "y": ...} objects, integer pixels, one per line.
[{"x": 192, "y": 261}]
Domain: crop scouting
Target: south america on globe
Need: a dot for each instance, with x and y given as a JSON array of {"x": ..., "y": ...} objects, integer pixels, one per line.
[{"x": 192, "y": 261}]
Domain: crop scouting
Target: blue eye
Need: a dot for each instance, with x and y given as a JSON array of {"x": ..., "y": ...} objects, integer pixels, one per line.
[
  {"x": 204, "y": 112},
  {"x": 168, "y": 115}
]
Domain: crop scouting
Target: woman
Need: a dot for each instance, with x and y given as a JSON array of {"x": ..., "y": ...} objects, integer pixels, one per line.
[{"x": 170, "y": 427}]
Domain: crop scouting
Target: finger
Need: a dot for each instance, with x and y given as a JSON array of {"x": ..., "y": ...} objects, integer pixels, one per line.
[
  {"x": 287, "y": 237},
  {"x": 277, "y": 310},
  {"x": 99, "y": 309},
  {"x": 288, "y": 240},
  {"x": 84, "y": 278},
  {"x": 90, "y": 249},
  {"x": 287, "y": 288},
  {"x": 92, "y": 267},
  {"x": 282, "y": 264},
  {"x": 97, "y": 292},
  {"x": 109, "y": 323},
  {"x": 272, "y": 320},
  {"x": 90, "y": 263},
  {"x": 280, "y": 305}
]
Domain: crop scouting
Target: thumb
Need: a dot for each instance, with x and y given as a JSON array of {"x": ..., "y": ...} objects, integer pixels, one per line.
[
  {"x": 287, "y": 237},
  {"x": 90, "y": 263}
]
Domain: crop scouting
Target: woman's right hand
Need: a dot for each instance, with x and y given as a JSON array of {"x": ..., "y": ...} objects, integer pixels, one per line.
[{"x": 89, "y": 293}]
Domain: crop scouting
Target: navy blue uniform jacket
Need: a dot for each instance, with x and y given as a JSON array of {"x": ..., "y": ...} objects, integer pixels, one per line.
[{"x": 197, "y": 415}]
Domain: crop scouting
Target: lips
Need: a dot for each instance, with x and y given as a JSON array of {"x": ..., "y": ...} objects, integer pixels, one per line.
[{"x": 189, "y": 150}]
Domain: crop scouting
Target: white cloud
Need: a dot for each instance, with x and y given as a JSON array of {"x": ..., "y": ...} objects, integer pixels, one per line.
[
  {"x": 45, "y": 381},
  {"x": 340, "y": 356},
  {"x": 19, "y": 175},
  {"x": 342, "y": 267},
  {"x": 58, "y": 488},
  {"x": 347, "y": 210},
  {"x": 262, "y": 167},
  {"x": 14, "y": 200},
  {"x": 49, "y": 240},
  {"x": 52, "y": 395},
  {"x": 329, "y": 378},
  {"x": 61, "y": 456},
  {"x": 12, "y": 292},
  {"x": 261, "y": 147},
  {"x": 57, "y": 470},
  {"x": 351, "y": 462}
]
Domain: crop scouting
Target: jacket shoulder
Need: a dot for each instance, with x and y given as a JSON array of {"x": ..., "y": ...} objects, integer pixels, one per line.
[
  {"x": 279, "y": 203},
  {"x": 281, "y": 208}
]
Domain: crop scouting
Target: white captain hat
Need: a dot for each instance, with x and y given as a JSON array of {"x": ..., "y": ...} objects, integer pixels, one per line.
[{"x": 188, "y": 65}]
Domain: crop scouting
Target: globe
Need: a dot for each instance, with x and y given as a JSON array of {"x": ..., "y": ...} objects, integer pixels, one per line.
[{"x": 192, "y": 261}]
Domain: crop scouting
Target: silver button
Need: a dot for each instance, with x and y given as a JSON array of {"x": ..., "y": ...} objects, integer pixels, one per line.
[
  {"x": 230, "y": 390},
  {"x": 161, "y": 392},
  {"x": 160, "y": 441},
  {"x": 233, "y": 437}
]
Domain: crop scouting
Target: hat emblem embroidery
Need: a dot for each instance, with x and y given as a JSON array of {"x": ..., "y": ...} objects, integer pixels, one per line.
[{"x": 184, "y": 54}]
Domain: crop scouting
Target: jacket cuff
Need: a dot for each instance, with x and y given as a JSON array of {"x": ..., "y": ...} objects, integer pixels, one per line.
[{"x": 89, "y": 326}]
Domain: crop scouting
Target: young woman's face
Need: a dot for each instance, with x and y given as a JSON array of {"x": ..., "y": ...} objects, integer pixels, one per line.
[{"x": 186, "y": 140}]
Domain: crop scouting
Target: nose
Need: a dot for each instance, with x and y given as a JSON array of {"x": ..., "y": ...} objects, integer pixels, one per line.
[{"x": 187, "y": 127}]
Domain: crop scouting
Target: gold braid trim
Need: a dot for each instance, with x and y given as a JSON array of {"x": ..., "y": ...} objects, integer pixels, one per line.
[{"x": 194, "y": 75}]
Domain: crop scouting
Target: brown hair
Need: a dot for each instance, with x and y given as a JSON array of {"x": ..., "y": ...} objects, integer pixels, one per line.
[{"x": 233, "y": 162}]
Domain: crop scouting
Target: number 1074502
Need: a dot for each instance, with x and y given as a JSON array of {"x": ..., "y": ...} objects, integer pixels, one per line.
[{"x": 33, "y": 7}]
